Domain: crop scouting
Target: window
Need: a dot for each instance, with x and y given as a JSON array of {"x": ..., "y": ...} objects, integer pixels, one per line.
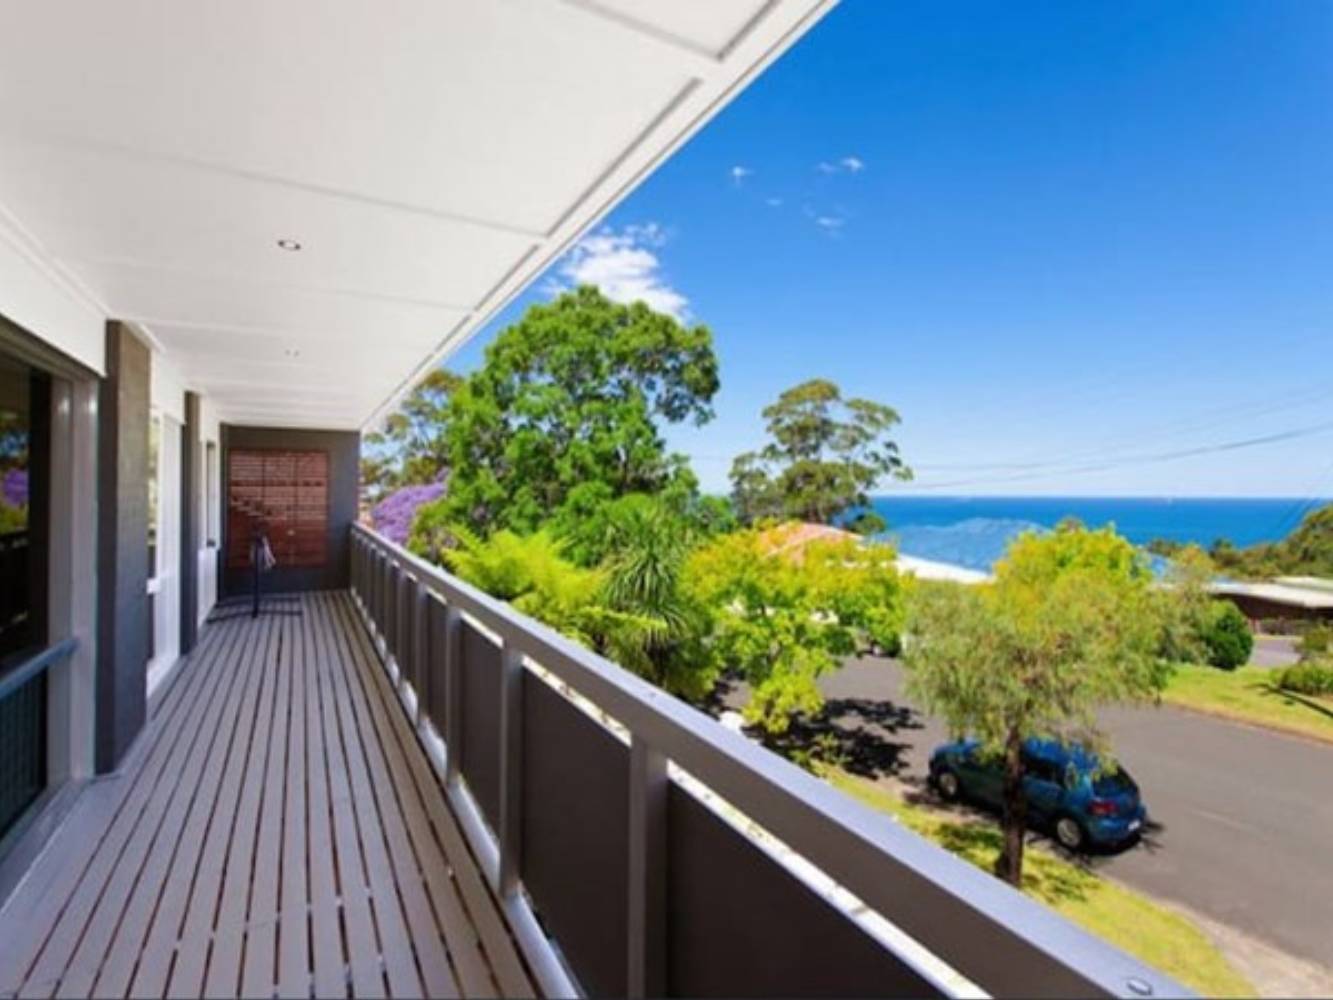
[{"x": 154, "y": 450}]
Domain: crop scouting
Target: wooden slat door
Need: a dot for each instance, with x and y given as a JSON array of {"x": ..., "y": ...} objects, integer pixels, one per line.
[{"x": 285, "y": 492}]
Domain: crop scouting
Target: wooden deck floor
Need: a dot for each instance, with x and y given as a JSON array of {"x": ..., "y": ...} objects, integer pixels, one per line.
[{"x": 277, "y": 831}]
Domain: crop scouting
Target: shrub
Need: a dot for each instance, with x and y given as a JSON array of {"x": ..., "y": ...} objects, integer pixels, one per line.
[
  {"x": 1226, "y": 636},
  {"x": 1310, "y": 678},
  {"x": 1316, "y": 641}
]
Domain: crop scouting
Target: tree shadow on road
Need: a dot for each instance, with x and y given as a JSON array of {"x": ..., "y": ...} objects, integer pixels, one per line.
[{"x": 856, "y": 734}]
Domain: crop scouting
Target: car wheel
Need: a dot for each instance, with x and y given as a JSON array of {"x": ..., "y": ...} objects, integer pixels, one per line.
[
  {"x": 1069, "y": 832},
  {"x": 949, "y": 787}
]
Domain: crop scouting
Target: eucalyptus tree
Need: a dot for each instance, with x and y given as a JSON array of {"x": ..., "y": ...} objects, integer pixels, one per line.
[{"x": 825, "y": 455}]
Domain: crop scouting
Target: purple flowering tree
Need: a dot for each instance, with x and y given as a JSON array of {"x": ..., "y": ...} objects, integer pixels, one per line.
[
  {"x": 14, "y": 487},
  {"x": 392, "y": 517},
  {"x": 14, "y": 500}
]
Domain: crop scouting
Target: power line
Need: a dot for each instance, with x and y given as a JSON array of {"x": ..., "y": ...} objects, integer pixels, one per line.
[{"x": 1150, "y": 458}]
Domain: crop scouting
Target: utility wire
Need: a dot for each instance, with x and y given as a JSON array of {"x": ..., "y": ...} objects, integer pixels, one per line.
[{"x": 1146, "y": 459}]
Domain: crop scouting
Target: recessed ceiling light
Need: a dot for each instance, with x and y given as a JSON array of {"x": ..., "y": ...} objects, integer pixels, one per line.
[{"x": 292, "y": 245}]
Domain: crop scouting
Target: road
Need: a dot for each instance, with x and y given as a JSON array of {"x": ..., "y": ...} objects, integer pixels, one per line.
[{"x": 1241, "y": 819}]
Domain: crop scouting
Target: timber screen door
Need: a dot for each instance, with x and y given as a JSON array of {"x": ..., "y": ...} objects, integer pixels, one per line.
[{"x": 283, "y": 494}]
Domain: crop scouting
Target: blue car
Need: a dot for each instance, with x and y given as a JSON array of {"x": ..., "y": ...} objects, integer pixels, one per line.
[{"x": 1067, "y": 791}]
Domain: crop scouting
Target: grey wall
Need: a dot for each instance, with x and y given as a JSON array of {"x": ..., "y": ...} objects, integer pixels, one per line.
[
  {"x": 191, "y": 487},
  {"x": 344, "y": 450},
  {"x": 122, "y": 546}
]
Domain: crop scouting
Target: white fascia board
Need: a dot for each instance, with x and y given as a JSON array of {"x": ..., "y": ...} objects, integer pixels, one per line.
[{"x": 41, "y": 301}]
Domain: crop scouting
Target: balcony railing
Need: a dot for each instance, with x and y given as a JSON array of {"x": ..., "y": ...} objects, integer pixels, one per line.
[{"x": 639, "y": 847}]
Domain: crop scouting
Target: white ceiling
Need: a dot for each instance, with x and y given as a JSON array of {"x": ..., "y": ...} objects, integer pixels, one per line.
[{"x": 431, "y": 156}]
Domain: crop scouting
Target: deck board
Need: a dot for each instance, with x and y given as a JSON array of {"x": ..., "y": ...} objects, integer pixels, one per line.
[{"x": 276, "y": 831}]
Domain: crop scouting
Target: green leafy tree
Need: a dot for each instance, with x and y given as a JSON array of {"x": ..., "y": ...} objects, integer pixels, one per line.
[
  {"x": 1187, "y": 615},
  {"x": 572, "y": 395},
  {"x": 1198, "y": 627},
  {"x": 1070, "y": 624},
  {"x": 825, "y": 455},
  {"x": 411, "y": 448},
  {"x": 1306, "y": 551},
  {"x": 783, "y": 619}
]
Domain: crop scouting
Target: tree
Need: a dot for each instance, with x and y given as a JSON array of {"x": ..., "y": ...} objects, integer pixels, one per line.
[
  {"x": 1070, "y": 623},
  {"x": 410, "y": 450},
  {"x": 782, "y": 619},
  {"x": 826, "y": 454},
  {"x": 1307, "y": 551},
  {"x": 572, "y": 394}
]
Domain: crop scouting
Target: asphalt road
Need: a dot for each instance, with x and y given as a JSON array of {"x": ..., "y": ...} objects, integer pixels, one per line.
[{"x": 1240, "y": 819}]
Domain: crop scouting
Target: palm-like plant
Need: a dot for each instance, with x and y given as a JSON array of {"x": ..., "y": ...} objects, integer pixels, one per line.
[{"x": 630, "y": 609}]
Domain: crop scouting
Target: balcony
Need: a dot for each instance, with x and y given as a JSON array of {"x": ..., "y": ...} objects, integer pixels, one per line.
[
  {"x": 412, "y": 790},
  {"x": 276, "y": 830}
]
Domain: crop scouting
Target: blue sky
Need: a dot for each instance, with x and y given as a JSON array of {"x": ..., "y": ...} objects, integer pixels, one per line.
[{"x": 1082, "y": 248}]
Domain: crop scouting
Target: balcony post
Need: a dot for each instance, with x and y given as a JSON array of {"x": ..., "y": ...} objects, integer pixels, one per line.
[
  {"x": 511, "y": 769},
  {"x": 646, "y": 916}
]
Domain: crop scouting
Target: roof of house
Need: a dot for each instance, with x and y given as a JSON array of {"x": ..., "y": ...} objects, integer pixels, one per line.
[
  {"x": 791, "y": 537},
  {"x": 1307, "y": 597}
]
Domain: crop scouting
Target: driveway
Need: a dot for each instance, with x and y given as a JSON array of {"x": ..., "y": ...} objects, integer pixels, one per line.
[
  {"x": 1274, "y": 651},
  {"x": 1241, "y": 819}
]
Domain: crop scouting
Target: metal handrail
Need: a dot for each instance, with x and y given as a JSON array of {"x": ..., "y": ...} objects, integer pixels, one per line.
[
  {"x": 1001, "y": 940},
  {"x": 31, "y": 667}
]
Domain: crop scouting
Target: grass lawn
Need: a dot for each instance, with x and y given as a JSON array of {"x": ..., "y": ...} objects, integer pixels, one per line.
[
  {"x": 1248, "y": 695},
  {"x": 1151, "y": 932}
]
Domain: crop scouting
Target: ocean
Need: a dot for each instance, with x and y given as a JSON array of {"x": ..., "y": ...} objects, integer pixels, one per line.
[{"x": 974, "y": 531}]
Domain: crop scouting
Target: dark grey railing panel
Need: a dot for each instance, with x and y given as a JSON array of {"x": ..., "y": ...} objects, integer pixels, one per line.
[
  {"x": 575, "y": 819},
  {"x": 479, "y": 749},
  {"x": 391, "y": 581},
  {"x": 406, "y": 650},
  {"x": 434, "y": 705},
  {"x": 741, "y": 925}
]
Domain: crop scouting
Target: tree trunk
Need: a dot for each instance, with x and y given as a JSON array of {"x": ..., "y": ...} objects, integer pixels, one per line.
[{"x": 1009, "y": 866}]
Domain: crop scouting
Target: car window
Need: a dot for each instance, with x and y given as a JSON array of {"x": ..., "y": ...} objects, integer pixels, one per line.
[
  {"x": 1115, "y": 782},
  {"x": 1042, "y": 770}
]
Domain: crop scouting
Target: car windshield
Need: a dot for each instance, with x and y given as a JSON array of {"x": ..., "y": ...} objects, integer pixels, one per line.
[{"x": 1115, "y": 782}]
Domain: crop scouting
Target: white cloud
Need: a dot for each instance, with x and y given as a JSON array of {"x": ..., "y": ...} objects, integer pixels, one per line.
[
  {"x": 773, "y": 202},
  {"x": 829, "y": 223},
  {"x": 739, "y": 173},
  {"x": 846, "y": 165},
  {"x": 623, "y": 265}
]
